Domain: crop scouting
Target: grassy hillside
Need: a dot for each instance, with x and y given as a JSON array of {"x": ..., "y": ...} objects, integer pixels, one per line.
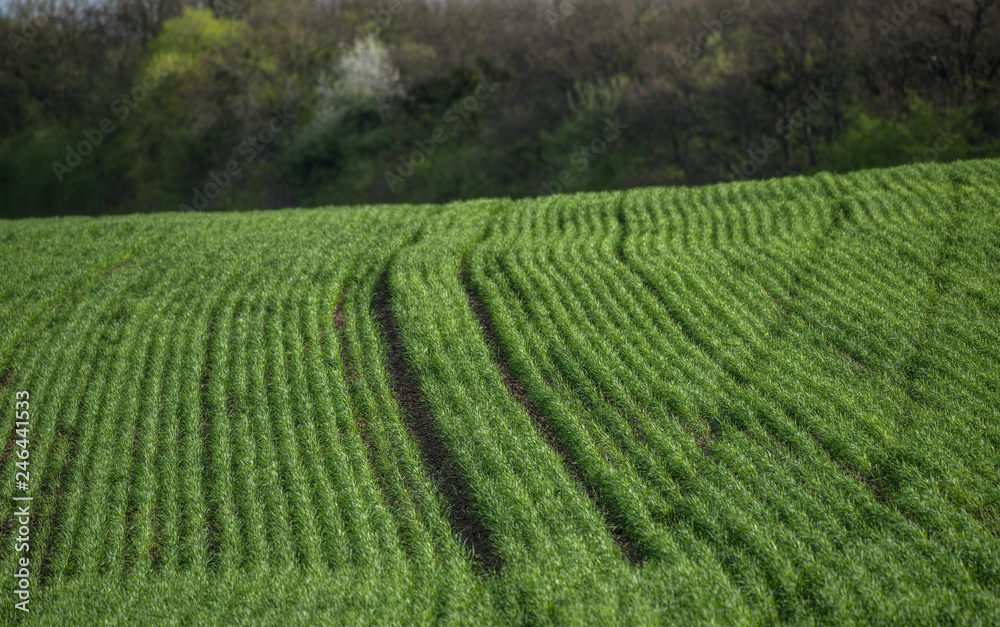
[{"x": 742, "y": 403}]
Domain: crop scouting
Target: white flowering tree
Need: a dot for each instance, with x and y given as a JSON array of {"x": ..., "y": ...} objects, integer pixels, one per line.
[{"x": 363, "y": 73}]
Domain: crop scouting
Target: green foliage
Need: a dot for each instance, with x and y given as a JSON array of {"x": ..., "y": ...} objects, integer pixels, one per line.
[
  {"x": 585, "y": 144},
  {"x": 336, "y": 149},
  {"x": 185, "y": 127},
  {"x": 187, "y": 44},
  {"x": 925, "y": 133},
  {"x": 30, "y": 187},
  {"x": 703, "y": 86}
]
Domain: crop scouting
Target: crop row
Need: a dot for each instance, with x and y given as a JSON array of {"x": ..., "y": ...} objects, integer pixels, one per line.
[{"x": 753, "y": 402}]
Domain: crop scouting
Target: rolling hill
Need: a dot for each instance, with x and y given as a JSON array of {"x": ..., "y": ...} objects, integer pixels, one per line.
[{"x": 744, "y": 403}]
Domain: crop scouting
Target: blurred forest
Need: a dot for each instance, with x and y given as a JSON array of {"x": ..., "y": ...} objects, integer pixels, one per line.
[{"x": 163, "y": 105}]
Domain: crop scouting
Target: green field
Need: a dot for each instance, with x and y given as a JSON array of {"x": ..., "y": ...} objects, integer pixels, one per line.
[{"x": 745, "y": 403}]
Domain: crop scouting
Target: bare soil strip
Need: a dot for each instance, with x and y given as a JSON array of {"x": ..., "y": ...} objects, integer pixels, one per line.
[
  {"x": 628, "y": 547},
  {"x": 454, "y": 486}
]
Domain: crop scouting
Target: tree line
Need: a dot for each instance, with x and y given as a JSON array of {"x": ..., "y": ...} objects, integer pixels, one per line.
[{"x": 164, "y": 105}]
